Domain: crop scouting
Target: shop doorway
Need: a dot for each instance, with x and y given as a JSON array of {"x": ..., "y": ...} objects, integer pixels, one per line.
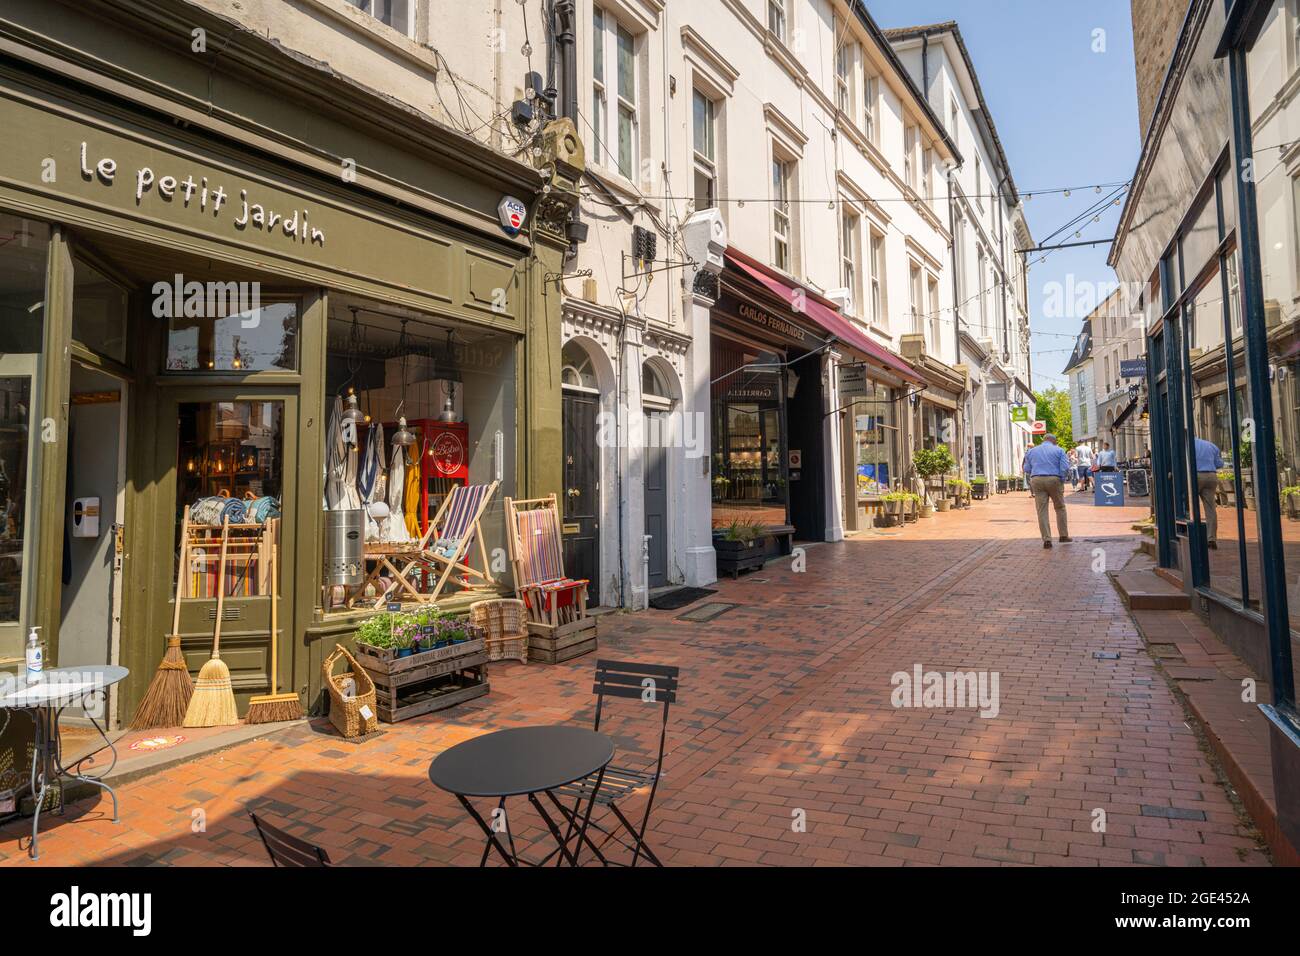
[
  {"x": 94, "y": 512},
  {"x": 237, "y": 442},
  {"x": 804, "y": 455},
  {"x": 581, "y": 487}
]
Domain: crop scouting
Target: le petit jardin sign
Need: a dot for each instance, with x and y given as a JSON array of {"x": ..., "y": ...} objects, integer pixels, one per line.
[{"x": 204, "y": 197}]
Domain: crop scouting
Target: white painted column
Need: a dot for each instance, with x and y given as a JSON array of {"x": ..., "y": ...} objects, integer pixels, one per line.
[
  {"x": 633, "y": 456},
  {"x": 832, "y": 434},
  {"x": 700, "y": 567}
]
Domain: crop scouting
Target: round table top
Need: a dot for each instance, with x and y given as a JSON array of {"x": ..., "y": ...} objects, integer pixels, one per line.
[
  {"x": 521, "y": 760},
  {"x": 60, "y": 686}
]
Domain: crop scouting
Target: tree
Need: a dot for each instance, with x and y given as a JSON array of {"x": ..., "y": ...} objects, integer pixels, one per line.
[{"x": 1054, "y": 409}]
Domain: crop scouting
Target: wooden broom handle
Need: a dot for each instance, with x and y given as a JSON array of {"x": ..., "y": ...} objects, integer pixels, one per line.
[
  {"x": 272, "y": 527},
  {"x": 221, "y": 585},
  {"x": 181, "y": 574}
]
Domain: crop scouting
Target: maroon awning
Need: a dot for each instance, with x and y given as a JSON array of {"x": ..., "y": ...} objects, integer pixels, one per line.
[{"x": 824, "y": 316}]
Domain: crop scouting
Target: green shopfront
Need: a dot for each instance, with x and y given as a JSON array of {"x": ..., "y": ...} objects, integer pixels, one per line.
[{"x": 192, "y": 268}]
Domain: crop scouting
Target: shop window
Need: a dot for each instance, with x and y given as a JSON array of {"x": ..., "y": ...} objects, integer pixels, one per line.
[
  {"x": 24, "y": 245},
  {"x": 228, "y": 450},
  {"x": 874, "y": 432},
  {"x": 224, "y": 328},
  {"x": 748, "y": 473},
  {"x": 99, "y": 310},
  {"x": 454, "y": 384},
  {"x": 15, "y": 452}
]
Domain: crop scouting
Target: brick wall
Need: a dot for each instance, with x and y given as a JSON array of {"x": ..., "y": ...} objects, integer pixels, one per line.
[{"x": 1155, "y": 31}]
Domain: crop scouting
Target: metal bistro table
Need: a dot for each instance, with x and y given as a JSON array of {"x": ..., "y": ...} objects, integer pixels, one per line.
[
  {"x": 524, "y": 761},
  {"x": 44, "y": 702}
]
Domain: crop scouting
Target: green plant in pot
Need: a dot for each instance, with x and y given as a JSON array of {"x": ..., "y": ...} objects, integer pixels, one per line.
[
  {"x": 932, "y": 463},
  {"x": 376, "y": 632},
  {"x": 743, "y": 531},
  {"x": 1291, "y": 500}
]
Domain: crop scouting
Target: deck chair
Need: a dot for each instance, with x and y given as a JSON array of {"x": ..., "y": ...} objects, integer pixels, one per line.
[
  {"x": 444, "y": 548},
  {"x": 533, "y": 533}
]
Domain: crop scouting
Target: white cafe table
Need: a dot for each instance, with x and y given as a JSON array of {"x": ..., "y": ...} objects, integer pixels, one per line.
[{"x": 44, "y": 702}]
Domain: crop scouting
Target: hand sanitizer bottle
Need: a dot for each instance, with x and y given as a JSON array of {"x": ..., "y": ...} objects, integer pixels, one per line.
[{"x": 35, "y": 657}]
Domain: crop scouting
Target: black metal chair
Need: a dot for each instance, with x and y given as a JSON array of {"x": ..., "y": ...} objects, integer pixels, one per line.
[
  {"x": 647, "y": 683},
  {"x": 287, "y": 850}
]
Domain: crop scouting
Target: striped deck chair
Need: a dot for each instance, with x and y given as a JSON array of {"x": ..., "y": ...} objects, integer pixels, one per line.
[
  {"x": 444, "y": 548},
  {"x": 533, "y": 532}
]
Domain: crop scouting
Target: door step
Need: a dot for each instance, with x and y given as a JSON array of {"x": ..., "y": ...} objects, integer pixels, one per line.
[{"x": 1146, "y": 591}]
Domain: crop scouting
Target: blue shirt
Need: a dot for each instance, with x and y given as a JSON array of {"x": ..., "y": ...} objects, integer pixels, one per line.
[
  {"x": 1046, "y": 459},
  {"x": 1208, "y": 457},
  {"x": 1106, "y": 458}
]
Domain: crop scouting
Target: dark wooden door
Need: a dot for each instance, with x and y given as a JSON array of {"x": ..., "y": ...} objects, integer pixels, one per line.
[
  {"x": 656, "y": 503},
  {"x": 581, "y": 492}
]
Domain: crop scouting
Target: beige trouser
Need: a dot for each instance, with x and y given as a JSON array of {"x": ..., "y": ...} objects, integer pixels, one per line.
[
  {"x": 1207, "y": 484},
  {"x": 1047, "y": 487}
]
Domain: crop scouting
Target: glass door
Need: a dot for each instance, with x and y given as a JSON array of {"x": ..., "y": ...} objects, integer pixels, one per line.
[
  {"x": 232, "y": 454},
  {"x": 17, "y": 392}
]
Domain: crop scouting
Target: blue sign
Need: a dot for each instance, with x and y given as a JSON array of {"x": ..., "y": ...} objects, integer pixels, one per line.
[
  {"x": 1108, "y": 489},
  {"x": 1133, "y": 368}
]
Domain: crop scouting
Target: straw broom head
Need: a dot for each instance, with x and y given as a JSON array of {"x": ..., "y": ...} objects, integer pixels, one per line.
[
  {"x": 213, "y": 703},
  {"x": 168, "y": 696}
]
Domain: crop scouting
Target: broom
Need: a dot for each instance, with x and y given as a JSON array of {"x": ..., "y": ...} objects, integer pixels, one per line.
[
  {"x": 213, "y": 703},
  {"x": 168, "y": 695},
  {"x": 272, "y": 708}
]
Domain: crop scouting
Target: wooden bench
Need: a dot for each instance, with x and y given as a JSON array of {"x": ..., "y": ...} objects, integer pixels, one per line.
[{"x": 783, "y": 534}]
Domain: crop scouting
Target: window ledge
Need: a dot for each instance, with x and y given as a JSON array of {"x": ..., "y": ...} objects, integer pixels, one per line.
[{"x": 381, "y": 33}]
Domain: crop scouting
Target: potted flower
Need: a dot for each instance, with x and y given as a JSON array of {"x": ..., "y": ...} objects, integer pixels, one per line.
[
  {"x": 979, "y": 487},
  {"x": 943, "y": 503},
  {"x": 740, "y": 546},
  {"x": 911, "y": 506},
  {"x": 931, "y": 464},
  {"x": 1291, "y": 501},
  {"x": 1004, "y": 484},
  {"x": 960, "y": 492}
]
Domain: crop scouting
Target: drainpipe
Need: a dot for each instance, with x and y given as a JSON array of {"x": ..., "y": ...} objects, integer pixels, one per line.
[{"x": 564, "y": 23}]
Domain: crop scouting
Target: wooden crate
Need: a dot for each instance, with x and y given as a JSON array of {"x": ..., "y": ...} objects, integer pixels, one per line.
[
  {"x": 432, "y": 694},
  {"x": 549, "y": 645},
  {"x": 428, "y": 681}
]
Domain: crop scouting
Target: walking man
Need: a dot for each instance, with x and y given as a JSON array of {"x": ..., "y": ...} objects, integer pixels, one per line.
[
  {"x": 1106, "y": 458},
  {"x": 1085, "y": 464},
  {"x": 1208, "y": 462},
  {"x": 1047, "y": 467}
]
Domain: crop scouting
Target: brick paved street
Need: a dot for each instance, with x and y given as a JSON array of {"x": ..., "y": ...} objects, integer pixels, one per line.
[{"x": 785, "y": 707}]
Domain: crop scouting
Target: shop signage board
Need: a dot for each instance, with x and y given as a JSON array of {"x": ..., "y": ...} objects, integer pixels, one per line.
[
  {"x": 1020, "y": 413},
  {"x": 1108, "y": 489},
  {"x": 1133, "y": 368},
  {"x": 1039, "y": 427},
  {"x": 853, "y": 382},
  {"x": 996, "y": 392},
  {"x": 753, "y": 392}
]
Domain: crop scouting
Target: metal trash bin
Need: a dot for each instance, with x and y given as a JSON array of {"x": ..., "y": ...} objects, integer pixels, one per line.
[{"x": 345, "y": 547}]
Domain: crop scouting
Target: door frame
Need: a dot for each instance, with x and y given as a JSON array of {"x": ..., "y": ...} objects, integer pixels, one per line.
[
  {"x": 162, "y": 536},
  {"x": 598, "y": 510}
]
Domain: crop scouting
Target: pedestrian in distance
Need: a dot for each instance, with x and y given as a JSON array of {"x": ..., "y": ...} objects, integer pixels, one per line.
[
  {"x": 1085, "y": 465},
  {"x": 1046, "y": 466},
  {"x": 1106, "y": 458},
  {"x": 1208, "y": 462},
  {"x": 1073, "y": 456}
]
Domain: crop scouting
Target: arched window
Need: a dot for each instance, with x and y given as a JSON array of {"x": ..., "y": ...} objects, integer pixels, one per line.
[
  {"x": 654, "y": 388},
  {"x": 577, "y": 371}
]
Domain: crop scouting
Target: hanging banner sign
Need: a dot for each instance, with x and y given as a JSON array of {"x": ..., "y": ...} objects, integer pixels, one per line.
[
  {"x": 853, "y": 382},
  {"x": 1133, "y": 368},
  {"x": 1020, "y": 413}
]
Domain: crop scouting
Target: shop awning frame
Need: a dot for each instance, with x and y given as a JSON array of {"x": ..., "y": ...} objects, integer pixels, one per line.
[{"x": 816, "y": 310}]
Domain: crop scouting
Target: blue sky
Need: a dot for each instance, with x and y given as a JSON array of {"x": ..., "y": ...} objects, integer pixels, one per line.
[{"x": 1066, "y": 115}]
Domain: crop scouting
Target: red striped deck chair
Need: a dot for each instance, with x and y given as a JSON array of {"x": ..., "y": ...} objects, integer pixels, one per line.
[
  {"x": 444, "y": 548},
  {"x": 533, "y": 533}
]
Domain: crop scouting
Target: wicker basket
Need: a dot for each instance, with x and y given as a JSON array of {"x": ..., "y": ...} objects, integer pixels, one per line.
[
  {"x": 504, "y": 627},
  {"x": 345, "y": 712}
]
